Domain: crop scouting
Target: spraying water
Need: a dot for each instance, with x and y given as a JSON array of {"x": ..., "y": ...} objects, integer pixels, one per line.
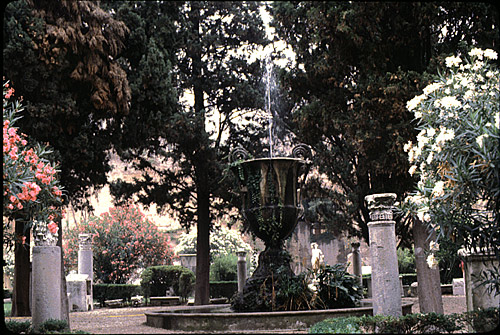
[{"x": 269, "y": 83}]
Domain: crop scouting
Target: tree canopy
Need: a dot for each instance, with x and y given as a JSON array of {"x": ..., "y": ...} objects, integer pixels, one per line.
[
  {"x": 61, "y": 57},
  {"x": 178, "y": 51},
  {"x": 356, "y": 66}
]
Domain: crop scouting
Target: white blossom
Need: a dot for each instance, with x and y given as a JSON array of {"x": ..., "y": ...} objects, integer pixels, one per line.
[
  {"x": 412, "y": 170},
  {"x": 452, "y": 61},
  {"x": 438, "y": 189},
  {"x": 432, "y": 261},
  {"x": 432, "y": 87},
  {"x": 480, "y": 139},
  {"x": 413, "y": 103},
  {"x": 490, "y": 54},
  {"x": 434, "y": 246}
]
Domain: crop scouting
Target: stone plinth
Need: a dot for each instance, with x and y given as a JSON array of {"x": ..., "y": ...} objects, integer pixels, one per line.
[
  {"x": 476, "y": 295},
  {"x": 79, "y": 290},
  {"x": 386, "y": 289},
  {"x": 458, "y": 285},
  {"x": 46, "y": 299}
]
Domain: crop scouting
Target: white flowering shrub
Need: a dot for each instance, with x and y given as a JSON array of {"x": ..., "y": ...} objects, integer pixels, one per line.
[{"x": 456, "y": 155}]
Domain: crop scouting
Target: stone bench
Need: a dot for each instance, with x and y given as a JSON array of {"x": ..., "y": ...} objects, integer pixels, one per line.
[
  {"x": 165, "y": 301},
  {"x": 113, "y": 303}
]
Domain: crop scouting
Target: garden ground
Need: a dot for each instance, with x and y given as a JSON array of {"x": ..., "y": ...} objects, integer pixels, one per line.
[{"x": 131, "y": 320}]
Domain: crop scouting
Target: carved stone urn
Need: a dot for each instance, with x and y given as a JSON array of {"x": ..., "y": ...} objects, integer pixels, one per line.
[{"x": 270, "y": 191}]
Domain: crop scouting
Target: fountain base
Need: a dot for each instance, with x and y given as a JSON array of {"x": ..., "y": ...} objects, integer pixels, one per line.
[{"x": 220, "y": 318}]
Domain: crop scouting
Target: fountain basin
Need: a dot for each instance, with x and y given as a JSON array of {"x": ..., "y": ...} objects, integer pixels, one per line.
[{"x": 220, "y": 318}]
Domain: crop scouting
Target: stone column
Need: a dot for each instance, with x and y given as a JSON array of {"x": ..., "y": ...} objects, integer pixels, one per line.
[
  {"x": 356, "y": 262},
  {"x": 85, "y": 256},
  {"x": 86, "y": 266},
  {"x": 386, "y": 291},
  {"x": 46, "y": 299},
  {"x": 242, "y": 269}
]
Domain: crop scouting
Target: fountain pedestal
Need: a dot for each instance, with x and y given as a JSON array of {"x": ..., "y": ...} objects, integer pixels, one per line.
[{"x": 271, "y": 208}]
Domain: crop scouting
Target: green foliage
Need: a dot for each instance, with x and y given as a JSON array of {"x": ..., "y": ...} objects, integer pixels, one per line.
[
  {"x": 72, "y": 85},
  {"x": 406, "y": 260},
  {"x": 104, "y": 292},
  {"x": 456, "y": 155},
  {"x": 124, "y": 240},
  {"x": 224, "y": 242},
  {"x": 224, "y": 268},
  {"x": 50, "y": 326},
  {"x": 32, "y": 193},
  {"x": 219, "y": 289},
  {"x": 336, "y": 287},
  {"x": 356, "y": 65},
  {"x": 281, "y": 291},
  {"x": 18, "y": 327},
  {"x": 53, "y": 326},
  {"x": 417, "y": 323},
  {"x": 345, "y": 325},
  {"x": 156, "y": 280}
]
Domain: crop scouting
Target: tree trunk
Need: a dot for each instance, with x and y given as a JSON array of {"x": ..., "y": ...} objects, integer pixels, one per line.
[
  {"x": 429, "y": 285},
  {"x": 22, "y": 269},
  {"x": 64, "y": 290},
  {"x": 202, "y": 285}
]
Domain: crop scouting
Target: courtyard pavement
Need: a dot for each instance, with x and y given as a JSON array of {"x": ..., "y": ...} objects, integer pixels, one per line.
[{"x": 131, "y": 320}]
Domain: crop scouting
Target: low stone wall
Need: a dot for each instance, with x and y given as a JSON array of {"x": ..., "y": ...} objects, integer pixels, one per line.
[{"x": 219, "y": 318}]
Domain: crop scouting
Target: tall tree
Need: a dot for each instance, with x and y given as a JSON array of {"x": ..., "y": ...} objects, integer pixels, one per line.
[
  {"x": 60, "y": 56},
  {"x": 357, "y": 64},
  {"x": 197, "y": 50}
]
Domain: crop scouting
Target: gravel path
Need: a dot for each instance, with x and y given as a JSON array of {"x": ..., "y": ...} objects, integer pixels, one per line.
[{"x": 131, "y": 320}]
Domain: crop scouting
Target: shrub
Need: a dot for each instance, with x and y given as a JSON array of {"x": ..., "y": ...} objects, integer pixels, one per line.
[
  {"x": 156, "y": 280},
  {"x": 224, "y": 268},
  {"x": 348, "y": 325},
  {"x": 337, "y": 288},
  {"x": 482, "y": 320},
  {"x": 18, "y": 327},
  {"x": 52, "y": 326},
  {"x": 219, "y": 289},
  {"x": 406, "y": 260},
  {"x": 124, "y": 240}
]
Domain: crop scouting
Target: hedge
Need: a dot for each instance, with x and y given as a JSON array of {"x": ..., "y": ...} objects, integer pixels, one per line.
[
  {"x": 220, "y": 289},
  {"x": 157, "y": 280},
  {"x": 104, "y": 292},
  {"x": 482, "y": 320}
]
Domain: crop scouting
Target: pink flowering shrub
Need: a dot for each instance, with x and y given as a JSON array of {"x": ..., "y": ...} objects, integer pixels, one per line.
[
  {"x": 124, "y": 240},
  {"x": 31, "y": 191}
]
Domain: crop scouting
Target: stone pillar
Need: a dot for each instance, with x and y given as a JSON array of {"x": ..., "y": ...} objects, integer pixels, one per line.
[
  {"x": 86, "y": 266},
  {"x": 85, "y": 256},
  {"x": 46, "y": 299},
  {"x": 356, "y": 262},
  {"x": 242, "y": 269},
  {"x": 386, "y": 289},
  {"x": 476, "y": 295}
]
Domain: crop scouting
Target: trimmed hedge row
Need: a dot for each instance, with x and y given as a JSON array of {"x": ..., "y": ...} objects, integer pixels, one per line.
[
  {"x": 104, "y": 292},
  {"x": 220, "y": 289},
  {"x": 156, "y": 280}
]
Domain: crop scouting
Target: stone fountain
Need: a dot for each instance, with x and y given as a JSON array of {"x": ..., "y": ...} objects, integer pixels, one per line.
[{"x": 270, "y": 191}]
